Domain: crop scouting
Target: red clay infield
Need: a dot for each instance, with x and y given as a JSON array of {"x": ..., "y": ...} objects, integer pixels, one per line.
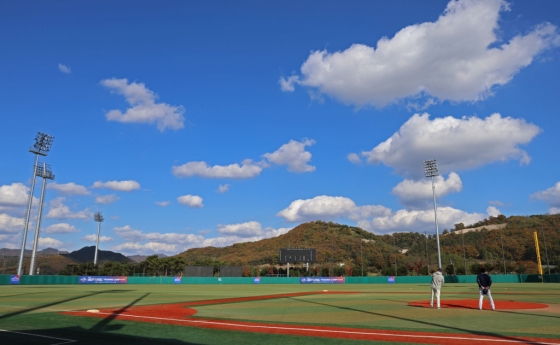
[
  {"x": 180, "y": 314},
  {"x": 473, "y": 304}
]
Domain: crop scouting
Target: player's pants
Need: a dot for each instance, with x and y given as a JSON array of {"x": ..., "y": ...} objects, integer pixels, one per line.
[
  {"x": 436, "y": 293},
  {"x": 482, "y": 297}
]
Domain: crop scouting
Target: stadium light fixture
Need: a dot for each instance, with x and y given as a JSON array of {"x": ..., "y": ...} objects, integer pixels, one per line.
[
  {"x": 99, "y": 219},
  {"x": 431, "y": 170},
  {"x": 45, "y": 172},
  {"x": 42, "y": 146}
]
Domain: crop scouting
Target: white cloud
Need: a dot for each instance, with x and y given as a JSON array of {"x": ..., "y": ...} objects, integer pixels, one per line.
[
  {"x": 147, "y": 248},
  {"x": 293, "y": 155},
  {"x": 493, "y": 211},
  {"x": 93, "y": 238},
  {"x": 419, "y": 220},
  {"x": 354, "y": 158},
  {"x": 328, "y": 207},
  {"x": 551, "y": 196},
  {"x": 247, "y": 169},
  {"x": 128, "y": 233},
  {"x": 242, "y": 229},
  {"x": 224, "y": 241},
  {"x": 162, "y": 203},
  {"x": 69, "y": 188},
  {"x": 10, "y": 241},
  {"x": 192, "y": 201},
  {"x": 48, "y": 242},
  {"x": 61, "y": 211},
  {"x": 458, "y": 58},
  {"x": 121, "y": 186},
  {"x": 418, "y": 193},
  {"x": 64, "y": 68},
  {"x": 223, "y": 188},
  {"x": 106, "y": 199},
  {"x": 60, "y": 228},
  {"x": 144, "y": 107},
  {"x": 456, "y": 144},
  {"x": 10, "y": 225},
  {"x": 14, "y": 195}
]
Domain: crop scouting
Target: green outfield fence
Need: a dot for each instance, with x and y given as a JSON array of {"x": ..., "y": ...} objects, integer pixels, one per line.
[{"x": 508, "y": 278}]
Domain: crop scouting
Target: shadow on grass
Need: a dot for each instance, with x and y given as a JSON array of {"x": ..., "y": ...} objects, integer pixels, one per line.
[
  {"x": 80, "y": 335},
  {"x": 23, "y": 311},
  {"x": 501, "y": 336},
  {"x": 102, "y": 325}
]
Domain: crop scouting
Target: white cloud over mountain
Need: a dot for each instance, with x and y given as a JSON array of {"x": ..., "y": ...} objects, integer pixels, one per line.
[
  {"x": 456, "y": 144},
  {"x": 247, "y": 229},
  {"x": 458, "y": 58},
  {"x": 551, "y": 196},
  {"x": 93, "y": 238},
  {"x": 418, "y": 193},
  {"x": 121, "y": 186},
  {"x": 144, "y": 108},
  {"x": 60, "y": 228},
  {"x": 325, "y": 207}
]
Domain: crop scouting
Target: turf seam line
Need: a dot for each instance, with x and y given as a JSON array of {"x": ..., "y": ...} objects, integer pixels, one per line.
[
  {"x": 66, "y": 341},
  {"x": 335, "y": 331}
]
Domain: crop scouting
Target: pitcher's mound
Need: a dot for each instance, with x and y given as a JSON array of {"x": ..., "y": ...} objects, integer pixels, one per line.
[{"x": 473, "y": 304}]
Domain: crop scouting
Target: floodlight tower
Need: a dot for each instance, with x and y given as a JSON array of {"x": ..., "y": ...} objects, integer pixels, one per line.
[
  {"x": 41, "y": 147},
  {"x": 98, "y": 218},
  {"x": 431, "y": 170},
  {"x": 46, "y": 173}
]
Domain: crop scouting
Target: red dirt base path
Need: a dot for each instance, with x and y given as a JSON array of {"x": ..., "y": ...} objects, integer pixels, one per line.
[
  {"x": 473, "y": 304},
  {"x": 181, "y": 314}
]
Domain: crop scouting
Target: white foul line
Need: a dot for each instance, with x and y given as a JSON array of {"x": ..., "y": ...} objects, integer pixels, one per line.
[
  {"x": 333, "y": 331},
  {"x": 66, "y": 341}
]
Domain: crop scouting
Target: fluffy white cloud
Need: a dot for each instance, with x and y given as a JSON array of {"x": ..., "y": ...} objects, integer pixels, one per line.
[
  {"x": 59, "y": 210},
  {"x": 9, "y": 224},
  {"x": 106, "y": 199},
  {"x": 354, "y": 158},
  {"x": 121, "y": 186},
  {"x": 418, "y": 193},
  {"x": 458, "y": 58},
  {"x": 493, "y": 211},
  {"x": 49, "y": 242},
  {"x": 246, "y": 229},
  {"x": 144, "y": 108},
  {"x": 128, "y": 233},
  {"x": 69, "y": 188},
  {"x": 419, "y": 220},
  {"x": 147, "y": 248},
  {"x": 247, "y": 169},
  {"x": 64, "y": 68},
  {"x": 293, "y": 155},
  {"x": 93, "y": 238},
  {"x": 224, "y": 241},
  {"x": 551, "y": 196},
  {"x": 162, "y": 203},
  {"x": 223, "y": 188},
  {"x": 192, "y": 201},
  {"x": 328, "y": 207},
  {"x": 60, "y": 228},
  {"x": 10, "y": 241},
  {"x": 456, "y": 144},
  {"x": 14, "y": 195}
]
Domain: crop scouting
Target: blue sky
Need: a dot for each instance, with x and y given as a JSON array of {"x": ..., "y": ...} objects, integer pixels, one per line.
[{"x": 190, "y": 124}]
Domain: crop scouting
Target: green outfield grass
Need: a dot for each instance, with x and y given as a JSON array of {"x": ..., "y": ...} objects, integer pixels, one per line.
[{"x": 34, "y": 310}]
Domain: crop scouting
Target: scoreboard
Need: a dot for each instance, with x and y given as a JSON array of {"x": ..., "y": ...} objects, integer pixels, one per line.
[{"x": 292, "y": 255}]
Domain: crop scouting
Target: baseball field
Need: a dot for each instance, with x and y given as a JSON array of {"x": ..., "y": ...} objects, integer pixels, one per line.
[{"x": 277, "y": 314}]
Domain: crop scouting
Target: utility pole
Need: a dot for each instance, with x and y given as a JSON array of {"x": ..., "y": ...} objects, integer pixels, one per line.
[{"x": 545, "y": 251}]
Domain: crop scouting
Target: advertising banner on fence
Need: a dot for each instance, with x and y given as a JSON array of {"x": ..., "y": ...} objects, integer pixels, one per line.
[
  {"x": 257, "y": 280},
  {"x": 14, "y": 279},
  {"x": 322, "y": 280},
  {"x": 391, "y": 279},
  {"x": 177, "y": 280},
  {"x": 102, "y": 280}
]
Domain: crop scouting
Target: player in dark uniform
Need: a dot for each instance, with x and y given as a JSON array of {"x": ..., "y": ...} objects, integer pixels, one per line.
[{"x": 484, "y": 282}]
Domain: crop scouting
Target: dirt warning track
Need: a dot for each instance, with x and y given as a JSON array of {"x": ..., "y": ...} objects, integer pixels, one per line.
[{"x": 181, "y": 314}]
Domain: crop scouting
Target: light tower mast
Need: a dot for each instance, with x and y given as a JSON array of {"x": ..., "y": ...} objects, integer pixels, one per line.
[{"x": 98, "y": 218}]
